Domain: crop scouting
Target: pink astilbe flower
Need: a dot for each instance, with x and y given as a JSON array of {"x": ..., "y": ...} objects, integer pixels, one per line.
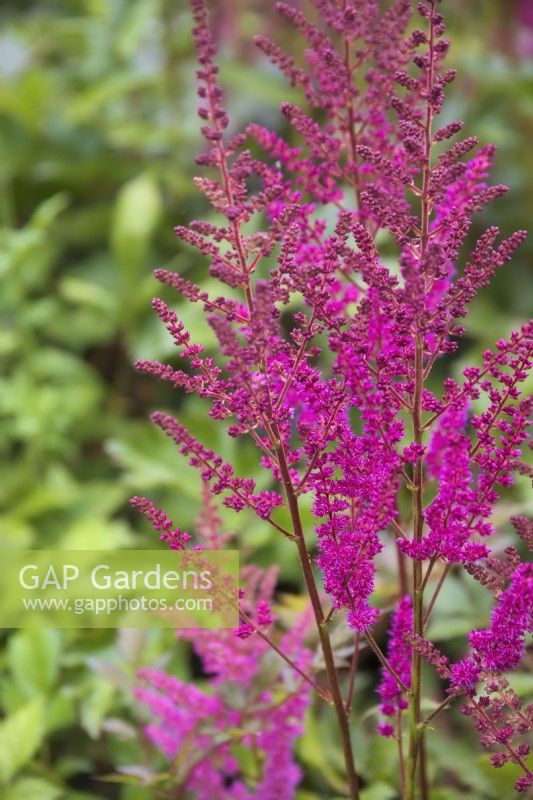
[
  {"x": 501, "y": 646},
  {"x": 497, "y": 712},
  {"x": 236, "y": 655},
  {"x": 198, "y": 731},
  {"x": 233, "y": 655},
  {"x": 524, "y": 528},
  {"x": 449, "y": 516},
  {"x": 399, "y": 655},
  {"x": 356, "y": 507},
  {"x": 322, "y": 360},
  {"x": 197, "y": 728},
  {"x": 174, "y": 537}
]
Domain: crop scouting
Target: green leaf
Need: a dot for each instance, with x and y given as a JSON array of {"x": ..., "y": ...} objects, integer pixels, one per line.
[
  {"x": 96, "y": 706},
  {"x": 47, "y": 212},
  {"x": 131, "y": 643},
  {"x": 96, "y": 534},
  {"x": 314, "y": 755},
  {"x": 84, "y": 796},
  {"x": 62, "y": 711},
  {"x": 380, "y": 791},
  {"x": 379, "y": 763},
  {"x": 33, "y": 788},
  {"x": 15, "y": 533},
  {"x": 92, "y": 101},
  {"x": 80, "y": 291},
  {"x": 451, "y": 794},
  {"x": 20, "y": 736},
  {"x": 448, "y": 628},
  {"x": 150, "y": 460},
  {"x": 136, "y": 215},
  {"x": 453, "y": 754},
  {"x": 33, "y": 657}
]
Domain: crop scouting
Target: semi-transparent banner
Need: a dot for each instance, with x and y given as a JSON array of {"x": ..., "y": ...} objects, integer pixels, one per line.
[{"x": 119, "y": 588}]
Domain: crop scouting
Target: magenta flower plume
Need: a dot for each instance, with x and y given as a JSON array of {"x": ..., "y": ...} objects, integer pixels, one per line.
[
  {"x": 187, "y": 718},
  {"x": 189, "y": 721},
  {"x": 194, "y": 728},
  {"x": 501, "y": 646},
  {"x": 174, "y": 537},
  {"x": 324, "y": 361},
  {"x": 399, "y": 654}
]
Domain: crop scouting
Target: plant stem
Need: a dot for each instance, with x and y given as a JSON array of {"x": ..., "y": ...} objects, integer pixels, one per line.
[
  {"x": 401, "y": 759},
  {"x": 415, "y": 729},
  {"x": 446, "y": 702},
  {"x": 353, "y": 674},
  {"x": 325, "y": 642},
  {"x": 424, "y": 785},
  {"x": 436, "y": 593},
  {"x": 384, "y": 660},
  {"x": 418, "y": 591},
  {"x": 323, "y": 693},
  {"x": 402, "y": 571}
]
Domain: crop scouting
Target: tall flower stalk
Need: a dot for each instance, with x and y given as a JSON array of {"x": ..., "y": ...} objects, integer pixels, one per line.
[
  {"x": 431, "y": 100},
  {"x": 339, "y": 408}
]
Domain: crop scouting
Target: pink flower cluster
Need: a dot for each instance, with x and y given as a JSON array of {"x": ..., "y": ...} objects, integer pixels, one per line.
[
  {"x": 200, "y": 731},
  {"x": 501, "y": 646},
  {"x": 335, "y": 394},
  {"x": 399, "y": 655}
]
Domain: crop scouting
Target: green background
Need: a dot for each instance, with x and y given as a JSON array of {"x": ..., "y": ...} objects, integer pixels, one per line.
[{"x": 97, "y": 138}]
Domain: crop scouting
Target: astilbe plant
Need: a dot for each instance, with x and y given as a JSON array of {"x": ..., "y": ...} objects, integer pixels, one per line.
[
  {"x": 335, "y": 394},
  {"x": 199, "y": 731}
]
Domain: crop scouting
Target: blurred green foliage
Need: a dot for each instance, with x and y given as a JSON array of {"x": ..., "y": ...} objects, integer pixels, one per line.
[{"x": 97, "y": 138}]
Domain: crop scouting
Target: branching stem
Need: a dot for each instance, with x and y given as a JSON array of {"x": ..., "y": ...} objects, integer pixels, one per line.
[{"x": 323, "y": 633}]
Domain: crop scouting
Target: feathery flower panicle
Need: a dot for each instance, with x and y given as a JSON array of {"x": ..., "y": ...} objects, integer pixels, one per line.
[
  {"x": 497, "y": 711},
  {"x": 174, "y": 537},
  {"x": 501, "y": 646},
  {"x": 524, "y": 528},
  {"x": 322, "y": 361},
  {"x": 399, "y": 654},
  {"x": 235, "y": 655},
  {"x": 200, "y": 731}
]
